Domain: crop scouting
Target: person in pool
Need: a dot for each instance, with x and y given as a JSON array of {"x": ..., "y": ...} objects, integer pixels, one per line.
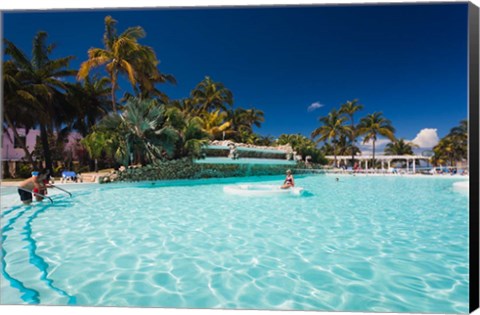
[
  {"x": 35, "y": 184},
  {"x": 289, "y": 182}
]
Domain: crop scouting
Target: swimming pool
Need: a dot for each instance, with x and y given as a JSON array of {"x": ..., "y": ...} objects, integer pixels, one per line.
[{"x": 377, "y": 244}]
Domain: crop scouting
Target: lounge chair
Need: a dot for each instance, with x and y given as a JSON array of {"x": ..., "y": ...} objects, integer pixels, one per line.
[{"x": 69, "y": 176}]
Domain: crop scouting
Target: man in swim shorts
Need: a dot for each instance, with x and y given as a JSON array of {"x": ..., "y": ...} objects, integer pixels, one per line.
[{"x": 33, "y": 184}]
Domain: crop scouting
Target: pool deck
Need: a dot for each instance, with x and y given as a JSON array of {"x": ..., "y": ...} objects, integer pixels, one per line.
[{"x": 88, "y": 178}]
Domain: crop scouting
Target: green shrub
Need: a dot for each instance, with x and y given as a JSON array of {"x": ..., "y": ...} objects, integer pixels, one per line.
[
  {"x": 24, "y": 171},
  {"x": 186, "y": 169}
]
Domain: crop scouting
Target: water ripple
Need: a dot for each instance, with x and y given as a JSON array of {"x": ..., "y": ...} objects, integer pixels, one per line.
[
  {"x": 30, "y": 296},
  {"x": 364, "y": 244}
]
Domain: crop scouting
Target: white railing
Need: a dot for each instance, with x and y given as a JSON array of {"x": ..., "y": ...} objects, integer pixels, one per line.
[{"x": 446, "y": 170}]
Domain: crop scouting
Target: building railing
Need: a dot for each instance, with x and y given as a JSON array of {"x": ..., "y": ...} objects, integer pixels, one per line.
[{"x": 440, "y": 170}]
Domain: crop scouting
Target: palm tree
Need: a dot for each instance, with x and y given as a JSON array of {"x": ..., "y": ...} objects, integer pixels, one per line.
[
  {"x": 17, "y": 100},
  {"x": 349, "y": 109},
  {"x": 192, "y": 136},
  {"x": 332, "y": 127},
  {"x": 345, "y": 147},
  {"x": 216, "y": 124},
  {"x": 374, "y": 125},
  {"x": 42, "y": 81},
  {"x": 90, "y": 101},
  {"x": 303, "y": 146},
  {"x": 243, "y": 120},
  {"x": 97, "y": 143},
  {"x": 253, "y": 117},
  {"x": 210, "y": 95},
  {"x": 265, "y": 140},
  {"x": 400, "y": 147},
  {"x": 454, "y": 146},
  {"x": 461, "y": 130},
  {"x": 459, "y": 135},
  {"x": 147, "y": 80},
  {"x": 143, "y": 125},
  {"x": 122, "y": 54},
  {"x": 445, "y": 151},
  {"x": 235, "y": 116}
]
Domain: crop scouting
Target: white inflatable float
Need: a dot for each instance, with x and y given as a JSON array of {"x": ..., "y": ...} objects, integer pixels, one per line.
[
  {"x": 261, "y": 190},
  {"x": 462, "y": 186}
]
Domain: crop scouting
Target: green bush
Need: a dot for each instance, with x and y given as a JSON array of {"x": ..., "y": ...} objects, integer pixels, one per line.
[
  {"x": 24, "y": 171},
  {"x": 186, "y": 169}
]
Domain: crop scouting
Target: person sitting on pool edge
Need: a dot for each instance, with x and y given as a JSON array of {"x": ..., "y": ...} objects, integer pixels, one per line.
[
  {"x": 289, "y": 182},
  {"x": 33, "y": 184}
]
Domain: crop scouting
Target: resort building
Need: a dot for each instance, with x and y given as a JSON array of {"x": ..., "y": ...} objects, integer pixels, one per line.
[
  {"x": 12, "y": 152},
  {"x": 385, "y": 160}
]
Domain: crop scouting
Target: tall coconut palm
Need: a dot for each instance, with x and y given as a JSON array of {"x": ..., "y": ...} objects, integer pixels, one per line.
[
  {"x": 235, "y": 116},
  {"x": 400, "y": 147},
  {"x": 332, "y": 128},
  {"x": 91, "y": 102},
  {"x": 17, "y": 101},
  {"x": 147, "y": 78},
  {"x": 349, "y": 109},
  {"x": 461, "y": 130},
  {"x": 122, "y": 54},
  {"x": 42, "y": 77},
  {"x": 453, "y": 147},
  {"x": 345, "y": 147},
  {"x": 243, "y": 120},
  {"x": 459, "y": 135},
  {"x": 374, "y": 125},
  {"x": 211, "y": 95},
  {"x": 253, "y": 117}
]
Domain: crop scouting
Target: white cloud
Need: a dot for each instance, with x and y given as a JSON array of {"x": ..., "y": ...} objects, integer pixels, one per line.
[
  {"x": 314, "y": 106},
  {"x": 426, "y": 138}
]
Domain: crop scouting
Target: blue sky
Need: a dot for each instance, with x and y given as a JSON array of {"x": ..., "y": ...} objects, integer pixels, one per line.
[{"x": 407, "y": 61}]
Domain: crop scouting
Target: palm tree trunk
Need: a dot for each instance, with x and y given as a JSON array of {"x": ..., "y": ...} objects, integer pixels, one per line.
[
  {"x": 334, "y": 154},
  {"x": 373, "y": 151},
  {"x": 352, "y": 140},
  {"x": 22, "y": 144},
  {"x": 46, "y": 148},
  {"x": 114, "y": 87}
]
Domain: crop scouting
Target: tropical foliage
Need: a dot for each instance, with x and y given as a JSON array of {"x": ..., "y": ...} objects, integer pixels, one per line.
[
  {"x": 145, "y": 126},
  {"x": 124, "y": 55},
  {"x": 302, "y": 146},
  {"x": 374, "y": 125},
  {"x": 349, "y": 109},
  {"x": 35, "y": 91},
  {"x": 333, "y": 126},
  {"x": 400, "y": 147},
  {"x": 453, "y": 147}
]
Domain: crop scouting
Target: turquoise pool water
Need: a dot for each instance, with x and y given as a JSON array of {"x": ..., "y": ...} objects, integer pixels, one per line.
[{"x": 386, "y": 244}]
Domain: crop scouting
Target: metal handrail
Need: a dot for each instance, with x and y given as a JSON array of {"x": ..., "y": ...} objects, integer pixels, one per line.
[
  {"x": 35, "y": 193},
  {"x": 53, "y": 186}
]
